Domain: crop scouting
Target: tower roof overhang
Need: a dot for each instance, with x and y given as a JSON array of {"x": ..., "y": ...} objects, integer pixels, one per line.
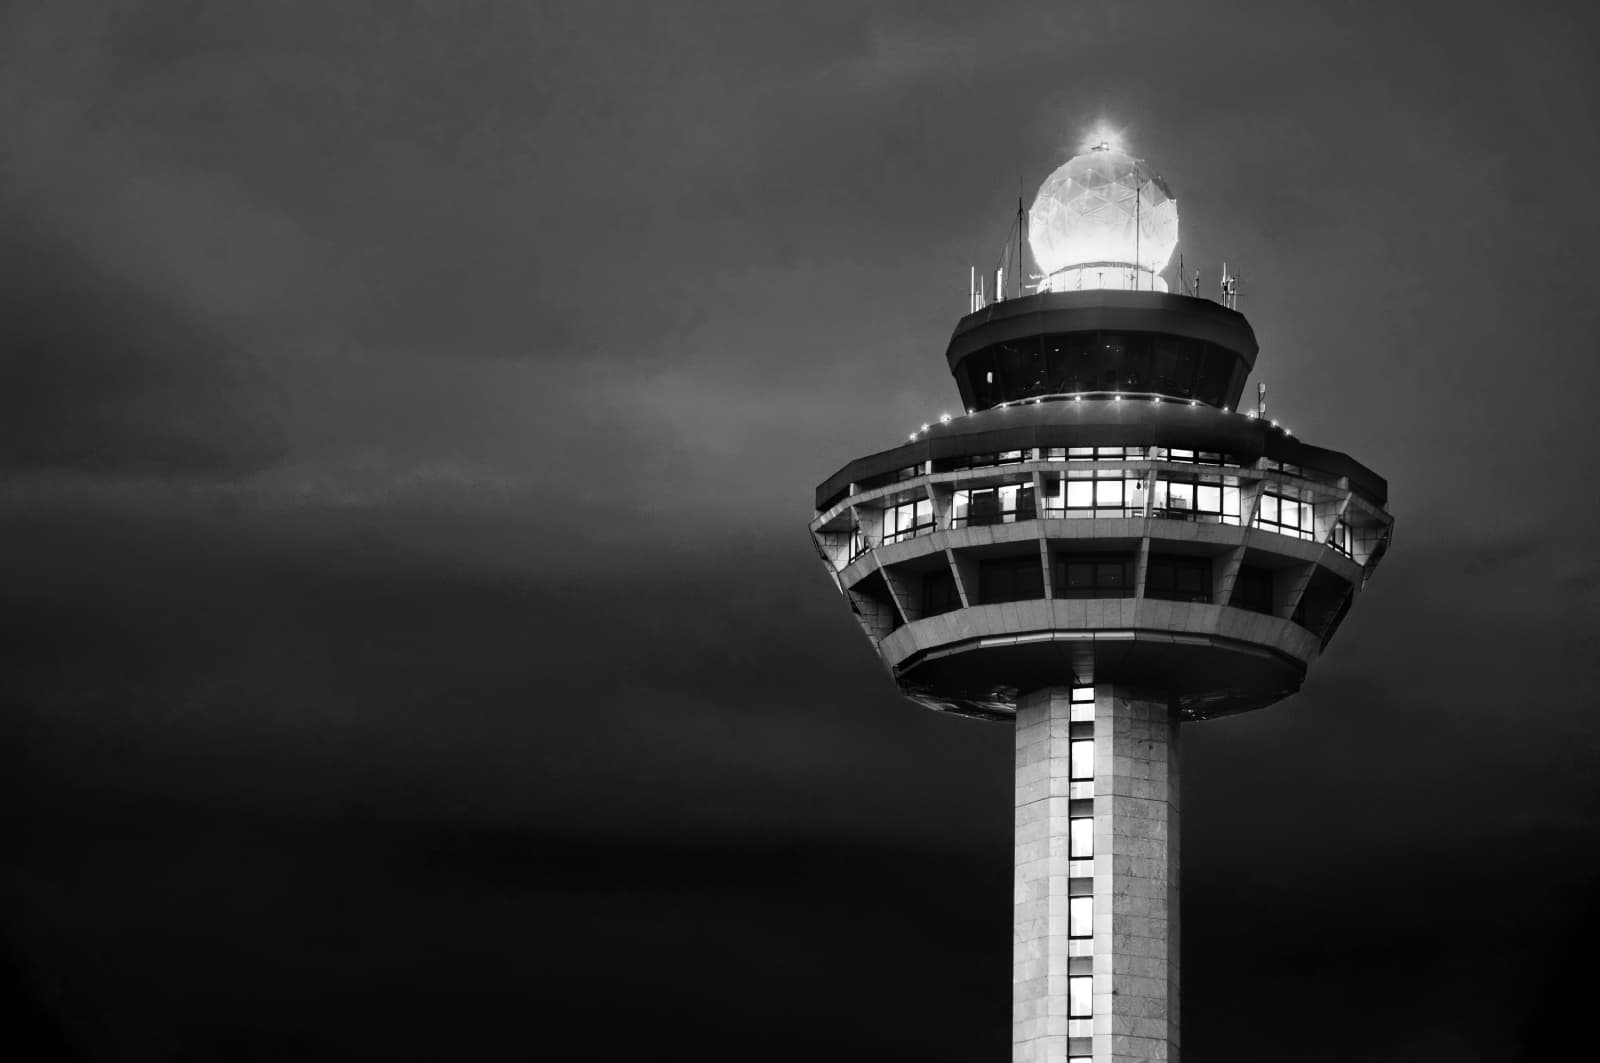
[{"x": 1080, "y": 341}]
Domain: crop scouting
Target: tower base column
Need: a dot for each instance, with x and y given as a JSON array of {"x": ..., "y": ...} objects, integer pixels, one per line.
[{"x": 1095, "y": 956}]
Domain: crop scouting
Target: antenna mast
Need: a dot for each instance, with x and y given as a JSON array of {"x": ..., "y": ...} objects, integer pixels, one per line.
[
  {"x": 1138, "y": 194},
  {"x": 1022, "y": 234}
]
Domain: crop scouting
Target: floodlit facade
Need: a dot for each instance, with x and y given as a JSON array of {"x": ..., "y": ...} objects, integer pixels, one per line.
[{"x": 1103, "y": 548}]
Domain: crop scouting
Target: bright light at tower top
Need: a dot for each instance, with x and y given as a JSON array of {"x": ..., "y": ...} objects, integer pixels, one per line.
[
  {"x": 1101, "y": 138},
  {"x": 1103, "y": 219}
]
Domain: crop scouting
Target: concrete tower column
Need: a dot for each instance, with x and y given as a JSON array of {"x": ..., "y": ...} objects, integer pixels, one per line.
[{"x": 1095, "y": 955}]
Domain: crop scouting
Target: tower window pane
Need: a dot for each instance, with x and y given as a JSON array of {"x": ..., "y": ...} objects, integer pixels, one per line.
[
  {"x": 1252, "y": 589},
  {"x": 939, "y": 592},
  {"x": 1180, "y": 579},
  {"x": 1081, "y": 838},
  {"x": 1080, "y": 917},
  {"x": 1082, "y": 758},
  {"x": 1011, "y": 579},
  {"x": 1093, "y": 576},
  {"x": 1080, "y": 997},
  {"x": 1284, "y": 515}
]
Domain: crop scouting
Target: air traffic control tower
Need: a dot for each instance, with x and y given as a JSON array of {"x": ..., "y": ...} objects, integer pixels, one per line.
[{"x": 1105, "y": 546}]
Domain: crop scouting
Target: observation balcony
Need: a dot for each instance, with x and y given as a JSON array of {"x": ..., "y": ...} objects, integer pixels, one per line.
[{"x": 1079, "y": 542}]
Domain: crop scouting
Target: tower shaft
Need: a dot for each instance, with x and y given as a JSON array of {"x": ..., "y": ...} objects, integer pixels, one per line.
[{"x": 1095, "y": 960}]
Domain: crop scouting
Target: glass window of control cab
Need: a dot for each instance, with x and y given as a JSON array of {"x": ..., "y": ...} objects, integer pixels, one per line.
[
  {"x": 1092, "y": 453},
  {"x": 1339, "y": 538},
  {"x": 1004, "y": 504},
  {"x": 1093, "y": 576},
  {"x": 906, "y": 520},
  {"x": 859, "y": 543},
  {"x": 1252, "y": 589},
  {"x": 1179, "y": 579},
  {"x": 1010, "y": 579},
  {"x": 1284, "y": 514},
  {"x": 1193, "y": 457},
  {"x": 989, "y": 461},
  {"x": 1173, "y": 366},
  {"x": 1102, "y": 493},
  {"x": 1212, "y": 500}
]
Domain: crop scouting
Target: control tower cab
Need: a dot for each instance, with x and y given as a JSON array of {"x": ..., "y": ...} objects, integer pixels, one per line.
[{"x": 1105, "y": 510}]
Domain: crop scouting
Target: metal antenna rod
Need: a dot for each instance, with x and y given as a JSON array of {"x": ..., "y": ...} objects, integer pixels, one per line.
[
  {"x": 1138, "y": 194},
  {"x": 1022, "y": 234}
]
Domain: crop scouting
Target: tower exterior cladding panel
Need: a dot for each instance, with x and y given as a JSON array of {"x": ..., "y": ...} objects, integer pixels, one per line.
[{"x": 1101, "y": 550}]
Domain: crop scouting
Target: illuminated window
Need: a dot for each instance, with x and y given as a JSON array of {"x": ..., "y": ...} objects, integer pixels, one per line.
[
  {"x": 1080, "y": 833},
  {"x": 1339, "y": 538},
  {"x": 1093, "y": 453},
  {"x": 1080, "y": 997},
  {"x": 1082, "y": 705},
  {"x": 1179, "y": 495},
  {"x": 1194, "y": 457},
  {"x": 1081, "y": 754},
  {"x": 1283, "y": 514},
  {"x": 1198, "y": 497},
  {"x": 992, "y": 505},
  {"x": 1178, "y": 579},
  {"x": 1106, "y": 493},
  {"x": 984, "y": 461},
  {"x": 1080, "y": 917},
  {"x": 904, "y": 521}
]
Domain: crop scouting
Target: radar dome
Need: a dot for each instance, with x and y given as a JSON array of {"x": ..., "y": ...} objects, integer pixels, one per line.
[{"x": 1103, "y": 220}]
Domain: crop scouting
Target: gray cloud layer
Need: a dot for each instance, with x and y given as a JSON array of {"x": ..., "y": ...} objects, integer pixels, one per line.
[{"x": 409, "y": 416}]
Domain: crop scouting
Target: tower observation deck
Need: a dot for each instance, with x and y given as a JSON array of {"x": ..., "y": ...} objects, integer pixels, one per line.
[{"x": 1103, "y": 547}]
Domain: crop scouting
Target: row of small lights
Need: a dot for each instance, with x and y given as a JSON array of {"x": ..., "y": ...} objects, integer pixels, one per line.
[{"x": 944, "y": 418}]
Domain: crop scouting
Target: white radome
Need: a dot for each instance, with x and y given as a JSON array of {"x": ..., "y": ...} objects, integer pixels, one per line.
[{"x": 1103, "y": 220}]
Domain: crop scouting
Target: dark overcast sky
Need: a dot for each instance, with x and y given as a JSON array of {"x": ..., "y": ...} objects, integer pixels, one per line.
[{"x": 409, "y": 416}]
